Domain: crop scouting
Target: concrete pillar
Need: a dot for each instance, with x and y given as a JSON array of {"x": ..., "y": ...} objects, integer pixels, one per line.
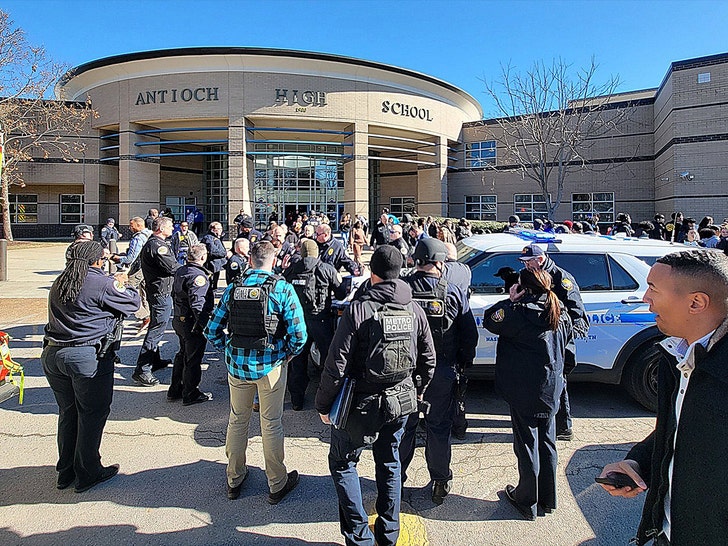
[
  {"x": 356, "y": 173},
  {"x": 239, "y": 186},
  {"x": 432, "y": 194},
  {"x": 138, "y": 178}
]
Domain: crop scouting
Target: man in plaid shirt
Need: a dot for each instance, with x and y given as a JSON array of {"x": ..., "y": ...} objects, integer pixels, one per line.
[{"x": 261, "y": 368}]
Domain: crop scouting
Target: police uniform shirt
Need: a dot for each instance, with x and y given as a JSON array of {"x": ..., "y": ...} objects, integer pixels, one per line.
[
  {"x": 235, "y": 267},
  {"x": 92, "y": 315},
  {"x": 332, "y": 252},
  {"x": 566, "y": 289},
  {"x": 158, "y": 266},
  {"x": 254, "y": 236},
  {"x": 401, "y": 245},
  {"x": 193, "y": 296}
]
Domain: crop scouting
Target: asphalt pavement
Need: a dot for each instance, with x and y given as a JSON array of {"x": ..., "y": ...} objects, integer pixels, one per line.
[{"x": 171, "y": 487}]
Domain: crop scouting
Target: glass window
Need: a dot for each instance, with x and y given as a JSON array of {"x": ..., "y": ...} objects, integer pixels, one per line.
[
  {"x": 484, "y": 279},
  {"x": 401, "y": 205},
  {"x": 23, "y": 209},
  {"x": 621, "y": 280},
  {"x": 216, "y": 186},
  {"x": 178, "y": 206},
  {"x": 72, "y": 209},
  {"x": 528, "y": 205},
  {"x": 583, "y": 205},
  {"x": 480, "y": 207},
  {"x": 480, "y": 154},
  {"x": 589, "y": 270}
]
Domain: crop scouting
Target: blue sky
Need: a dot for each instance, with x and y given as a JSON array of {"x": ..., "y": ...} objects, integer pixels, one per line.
[{"x": 459, "y": 41}]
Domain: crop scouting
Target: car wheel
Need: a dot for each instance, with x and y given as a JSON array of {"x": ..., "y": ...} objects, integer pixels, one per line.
[{"x": 640, "y": 375}]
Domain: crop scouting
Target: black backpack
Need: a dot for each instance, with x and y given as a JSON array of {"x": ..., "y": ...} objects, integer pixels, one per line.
[
  {"x": 434, "y": 304},
  {"x": 389, "y": 359}
]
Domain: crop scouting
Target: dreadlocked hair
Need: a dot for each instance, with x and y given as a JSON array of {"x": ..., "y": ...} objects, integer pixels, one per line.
[
  {"x": 539, "y": 282},
  {"x": 79, "y": 258}
]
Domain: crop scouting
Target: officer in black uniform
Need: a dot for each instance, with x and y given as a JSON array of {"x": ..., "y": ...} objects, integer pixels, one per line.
[
  {"x": 566, "y": 289},
  {"x": 193, "y": 301},
  {"x": 217, "y": 255},
  {"x": 384, "y": 318},
  {"x": 85, "y": 313},
  {"x": 396, "y": 240},
  {"x": 158, "y": 267},
  {"x": 247, "y": 231},
  {"x": 456, "y": 337},
  {"x": 314, "y": 282},
  {"x": 331, "y": 251},
  {"x": 238, "y": 262}
]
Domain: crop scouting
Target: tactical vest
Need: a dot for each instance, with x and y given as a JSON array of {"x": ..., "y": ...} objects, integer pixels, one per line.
[
  {"x": 434, "y": 304},
  {"x": 312, "y": 299},
  {"x": 388, "y": 359},
  {"x": 250, "y": 324}
]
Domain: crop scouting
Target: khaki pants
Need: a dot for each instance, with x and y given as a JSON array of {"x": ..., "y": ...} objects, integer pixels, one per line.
[
  {"x": 136, "y": 280},
  {"x": 271, "y": 390}
]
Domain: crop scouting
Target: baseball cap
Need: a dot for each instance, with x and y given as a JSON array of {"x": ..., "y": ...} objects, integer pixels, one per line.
[
  {"x": 531, "y": 251},
  {"x": 80, "y": 229},
  {"x": 247, "y": 222}
]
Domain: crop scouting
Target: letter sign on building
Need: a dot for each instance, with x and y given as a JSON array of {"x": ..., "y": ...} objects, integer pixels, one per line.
[
  {"x": 163, "y": 96},
  {"x": 407, "y": 110},
  {"x": 301, "y": 98}
]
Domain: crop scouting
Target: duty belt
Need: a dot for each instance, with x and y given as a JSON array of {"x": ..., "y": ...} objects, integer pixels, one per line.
[{"x": 52, "y": 343}]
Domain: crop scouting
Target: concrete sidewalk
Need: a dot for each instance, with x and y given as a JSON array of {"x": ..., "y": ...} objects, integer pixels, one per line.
[{"x": 171, "y": 488}]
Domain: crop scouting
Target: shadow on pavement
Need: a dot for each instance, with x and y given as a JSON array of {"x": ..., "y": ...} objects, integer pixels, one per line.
[{"x": 613, "y": 520}]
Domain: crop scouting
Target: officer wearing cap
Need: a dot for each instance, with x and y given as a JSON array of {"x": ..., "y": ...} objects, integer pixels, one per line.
[
  {"x": 331, "y": 251},
  {"x": 509, "y": 277},
  {"x": 372, "y": 418},
  {"x": 158, "y": 267},
  {"x": 193, "y": 301},
  {"x": 247, "y": 231},
  {"x": 564, "y": 285},
  {"x": 85, "y": 309},
  {"x": 81, "y": 232},
  {"x": 315, "y": 282},
  {"x": 456, "y": 337}
]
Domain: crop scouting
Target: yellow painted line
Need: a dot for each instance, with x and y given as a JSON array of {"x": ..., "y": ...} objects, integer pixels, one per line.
[{"x": 412, "y": 530}]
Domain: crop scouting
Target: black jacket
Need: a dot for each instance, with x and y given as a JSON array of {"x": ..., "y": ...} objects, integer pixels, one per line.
[
  {"x": 353, "y": 332},
  {"x": 192, "y": 294},
  {"x": 529, "y": 362},
  {"x": 461, "y": 339},
  {"x": 216, "y": 252},
  {"x": 158, "y": 264},
  {"x": 699, "y": 498},
  {"x": 327, "y": 281},
  {"x": 566, "y": 289},
  {"x": 333, "y": 252}
]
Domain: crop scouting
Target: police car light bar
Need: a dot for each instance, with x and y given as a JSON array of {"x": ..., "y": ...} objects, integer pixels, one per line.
[{"x": 535, "y": 235}]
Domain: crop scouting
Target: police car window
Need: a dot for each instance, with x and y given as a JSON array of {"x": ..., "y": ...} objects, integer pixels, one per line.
[
  {"x": 621, "y": 280},
  {"x": 649, "y": 260},
  {"x": 589, "y": 270},
  {"x": 484, "y": 279}
]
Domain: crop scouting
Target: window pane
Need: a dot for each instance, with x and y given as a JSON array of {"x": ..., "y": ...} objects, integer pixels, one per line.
[
  {"x": 621, "y": 280},
  {"x": 484, "y": 280},
  {"x": 589, "y": 270}
]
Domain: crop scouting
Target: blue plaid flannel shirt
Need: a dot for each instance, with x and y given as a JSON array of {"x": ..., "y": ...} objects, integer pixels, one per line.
[{"x": 249, "y": 364}]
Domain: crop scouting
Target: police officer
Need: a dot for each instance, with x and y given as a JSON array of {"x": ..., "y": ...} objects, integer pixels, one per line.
[
  {"x": 85, "y": 309},
  {"x": 80, "y": 233},
  {"x": 314, "y": 282},
  {"x": 380, "y": 233},
  {"x": 383, "y": 316},
  {"x": 265, "y": 329},
  {"x": 247, "y": 231},
  {"x": 217, "y": 255},
  {"x": 131, "y": 259},
  {"x": 182, "y": 240},
  {"x": 566, "y": 289},
  {"x": 285, "y": 252},
  {"x": 238, "y": 262},
  {"x": 193, "y": 301},
  {"x": 331, "y": 251},
  {"x": 514, "y": 222},
  {"x": 158, "y": 267},
  {"x": 398, "y": 242},
  {"x": 456, "y": 336}
]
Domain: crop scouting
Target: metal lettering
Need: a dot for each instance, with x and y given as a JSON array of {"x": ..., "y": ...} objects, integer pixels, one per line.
[
  {"x": 140, "y": 100},
  {"x": 307, "y": 97},
  {"x": 281, "y": 95},
  {"x": 162, "y": 93},
  {"x": 186, "y": 95},
  {"x": 212, "y": 93},
  {"x": 197, "y": 98},
  {"x": 151, "y": 97},
  {"x": 385, "y": 106},
  {"x": 174, "y": 95}
]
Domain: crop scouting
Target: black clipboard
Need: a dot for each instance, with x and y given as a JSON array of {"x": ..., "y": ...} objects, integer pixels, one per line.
[{"x": 340, "y": 410}]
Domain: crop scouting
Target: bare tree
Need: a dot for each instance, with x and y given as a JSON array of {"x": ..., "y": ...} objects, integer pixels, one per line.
[
  {"x": 34, "y": 126},
  {"x": 548, "y": 119}
]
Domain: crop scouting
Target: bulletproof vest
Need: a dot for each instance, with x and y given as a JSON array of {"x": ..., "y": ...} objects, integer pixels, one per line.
[
  {"x": 313, "y": 301},
  {"x": 250, "y": 325},
  {"x": 434, "y": 304},
  {"x": 388, "y": 359}
]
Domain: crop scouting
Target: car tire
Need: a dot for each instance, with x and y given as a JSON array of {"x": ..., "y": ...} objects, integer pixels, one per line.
[{"x": 640, "y": 375}]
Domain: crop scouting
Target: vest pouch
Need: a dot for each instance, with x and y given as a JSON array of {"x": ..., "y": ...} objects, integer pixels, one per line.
[
  {"x": 254, "y": 343},
  {"x": 399, "y": 401},
  {"x": 389, "y": 359}
]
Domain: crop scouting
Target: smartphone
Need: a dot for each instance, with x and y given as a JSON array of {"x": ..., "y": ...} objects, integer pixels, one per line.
[{"x": 617, "y": 479}]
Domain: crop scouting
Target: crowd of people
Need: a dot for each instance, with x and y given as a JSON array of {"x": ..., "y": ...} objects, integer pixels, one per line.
[{"x": 398, "y": 353}]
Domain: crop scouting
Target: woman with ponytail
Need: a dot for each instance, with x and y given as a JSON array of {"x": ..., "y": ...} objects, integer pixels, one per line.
[
  {"x": 533, "y": 329},
  {"x": 81, "y": 337}
]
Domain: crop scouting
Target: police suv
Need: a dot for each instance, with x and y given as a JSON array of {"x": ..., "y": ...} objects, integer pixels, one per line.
[{"x": 611, "y": 272}]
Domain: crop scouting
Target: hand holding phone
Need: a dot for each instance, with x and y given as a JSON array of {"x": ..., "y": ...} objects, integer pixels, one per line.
[{"x": 617, "y": 479}]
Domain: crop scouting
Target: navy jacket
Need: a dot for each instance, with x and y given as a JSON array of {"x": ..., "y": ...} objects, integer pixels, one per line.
[
  {"x": 333, "y": 252},
  {"x": 101, "y": 301},
  {"x": 529, "y": 364},
  {"x": 192, "y": 294},
  {"x": 216, "y": 252},
  {"x": 158, "y": 266}
]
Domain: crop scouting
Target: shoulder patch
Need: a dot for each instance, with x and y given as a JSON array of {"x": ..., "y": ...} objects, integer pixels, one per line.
[
  {"x": 253, "y": 238},
  {"x": 403, "y": 251},
  {"x": 330, "y": 252},
  {"x": 200, "y": 280},
  {"x": 162, "y": 250},
  {"x": 567, "y": 284},
  {"x": 234, "y": 265},
  {"x": 498, "y": 316},
  {"x": 119, "y": 287}
]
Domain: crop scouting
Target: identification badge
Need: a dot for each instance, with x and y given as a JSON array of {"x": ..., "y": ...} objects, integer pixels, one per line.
[
  {"x": 163, "y": 250},
  {"x": 498, "y": 316},
  {"x": 247, "y": 293}
]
